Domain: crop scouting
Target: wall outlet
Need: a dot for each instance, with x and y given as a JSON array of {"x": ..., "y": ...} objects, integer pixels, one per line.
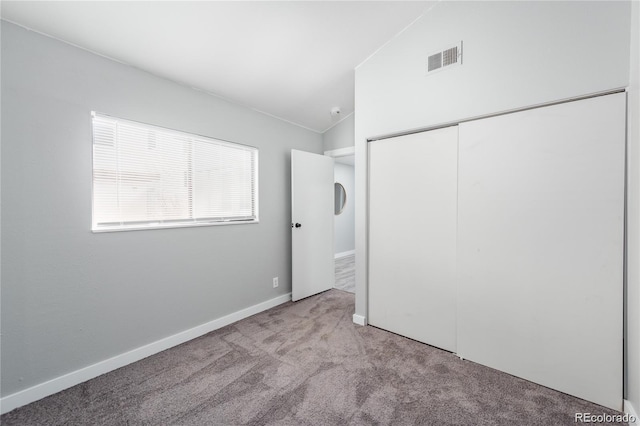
[{"x": 275, "y": 282}]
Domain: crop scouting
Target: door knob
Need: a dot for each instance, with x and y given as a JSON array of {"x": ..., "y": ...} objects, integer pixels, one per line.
[{"x": 298, "y": 225}]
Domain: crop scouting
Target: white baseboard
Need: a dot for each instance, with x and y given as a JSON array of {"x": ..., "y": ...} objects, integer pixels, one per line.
[
  {"x": 344, "y": 254},
  {"x": 630, "y": 410},
  {"x": 359, "y": 319},
  {"x": 58, "y": 384}
]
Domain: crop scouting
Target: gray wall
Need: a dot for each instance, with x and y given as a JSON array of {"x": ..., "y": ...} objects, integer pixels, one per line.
[
  {"x": 340, "y": 135},
  {"x": 516, "y": 54},
  {"x": 71, "y": 298},
  {"x": 633, "y": 216},
  {"x": 344, "y": 229}
]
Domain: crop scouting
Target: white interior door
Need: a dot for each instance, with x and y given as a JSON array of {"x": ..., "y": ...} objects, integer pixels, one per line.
[
  {"x": 312, "y": 210},
  {"x": 412, "y": 236},
  {"x": 540, "y": 245}
]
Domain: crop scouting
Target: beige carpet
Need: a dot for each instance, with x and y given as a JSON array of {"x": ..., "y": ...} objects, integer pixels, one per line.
[{"x": 304, "y": 364}]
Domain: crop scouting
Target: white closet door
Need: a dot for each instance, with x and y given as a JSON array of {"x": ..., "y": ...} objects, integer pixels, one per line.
[
  {"x": 412, "y": 234},
  {"x": 540, "y": 245}
]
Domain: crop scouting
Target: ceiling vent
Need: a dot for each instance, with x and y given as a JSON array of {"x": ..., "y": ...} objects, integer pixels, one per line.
[{"x": 444, "y": 58}]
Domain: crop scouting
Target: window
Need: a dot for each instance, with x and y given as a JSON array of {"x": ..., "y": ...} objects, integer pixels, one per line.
[{"x": 150, "y": 177}]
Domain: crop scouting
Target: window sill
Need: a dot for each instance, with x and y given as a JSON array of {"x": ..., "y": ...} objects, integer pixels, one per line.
[{"x": 139, "y": 227}]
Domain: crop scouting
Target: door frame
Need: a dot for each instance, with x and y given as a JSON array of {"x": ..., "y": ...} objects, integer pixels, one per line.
[
  {"x": 341, "y": 152},
  {"x": 349, "y": 151}
]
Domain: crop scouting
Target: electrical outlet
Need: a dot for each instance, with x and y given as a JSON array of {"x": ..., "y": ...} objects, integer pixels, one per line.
[{"x": 275, "y": 282}]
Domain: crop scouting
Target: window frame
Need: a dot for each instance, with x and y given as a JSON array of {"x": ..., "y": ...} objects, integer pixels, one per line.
[{"x": 172, "y": 223}]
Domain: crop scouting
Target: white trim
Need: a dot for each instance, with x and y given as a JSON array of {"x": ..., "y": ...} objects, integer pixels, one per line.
[
  {"x": 341, "y": 152},
  {"x": 160, "y": 225},
  {"x": 265, "y": 113},
  {"x": 344, "y": 254},
  {"x": 496, "y": 114},
  {"x": 628, "y": 408},
  {"x": 392, "y": 39},
  {"x": 68, "y": 380},
  {"x": 359, "y": 319},
  {"x": 338, "y": 122}
]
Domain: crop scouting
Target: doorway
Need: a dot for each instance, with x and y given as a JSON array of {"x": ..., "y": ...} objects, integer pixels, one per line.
[{"x": 344, "y": 218}]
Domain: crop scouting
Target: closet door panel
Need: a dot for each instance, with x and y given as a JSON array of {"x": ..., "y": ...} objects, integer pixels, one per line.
[
  {"x": 412, "y": 236},
  {"x": 540, "y": 245}
]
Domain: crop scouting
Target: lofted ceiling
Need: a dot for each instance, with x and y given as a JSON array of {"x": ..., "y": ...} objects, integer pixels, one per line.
[{"x": 293, "y": 60}]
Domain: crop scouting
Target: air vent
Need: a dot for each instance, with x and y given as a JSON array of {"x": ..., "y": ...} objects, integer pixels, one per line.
[
  {"x": 444, "y": 58},
  {"x": 435, "y": 61},
  {"x": 450, "y": 56}
]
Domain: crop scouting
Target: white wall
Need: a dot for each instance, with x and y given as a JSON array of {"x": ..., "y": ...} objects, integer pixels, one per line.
[
  {"x": 71, "y": 298},
  {"x": 344, "y": 228},
  {"x": 340, "y": 135},
  {"x": 633, "y": 216},
  {"x": 516, "y": 54}
]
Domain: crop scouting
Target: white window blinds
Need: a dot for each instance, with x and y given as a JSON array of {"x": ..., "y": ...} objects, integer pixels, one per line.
[{"x": 148, "y": 177}]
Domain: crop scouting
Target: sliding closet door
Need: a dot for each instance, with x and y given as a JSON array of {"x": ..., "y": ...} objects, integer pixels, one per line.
[
  {"x": 412, "y": 236},
  {"x": 540, "y": 245}
]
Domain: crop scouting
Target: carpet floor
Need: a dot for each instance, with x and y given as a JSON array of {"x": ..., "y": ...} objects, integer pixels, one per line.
[{"x": 304, "y": 363}]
